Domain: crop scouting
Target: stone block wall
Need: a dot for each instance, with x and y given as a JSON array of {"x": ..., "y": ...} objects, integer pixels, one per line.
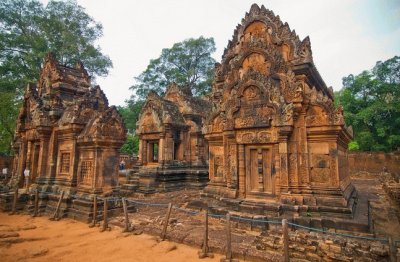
[
  {"x": 312, "y": 246},
  {"x": 374, "y": 162}
]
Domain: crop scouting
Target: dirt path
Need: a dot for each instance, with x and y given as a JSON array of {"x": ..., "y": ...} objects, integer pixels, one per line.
[{"x": 23, "y": 238}]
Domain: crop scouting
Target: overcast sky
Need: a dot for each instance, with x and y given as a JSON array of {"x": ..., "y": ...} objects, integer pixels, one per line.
[{"x": 347, "y": 36}]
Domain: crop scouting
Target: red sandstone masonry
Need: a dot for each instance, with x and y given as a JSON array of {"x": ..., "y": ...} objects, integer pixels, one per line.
[{"x": 374, "y": 162}]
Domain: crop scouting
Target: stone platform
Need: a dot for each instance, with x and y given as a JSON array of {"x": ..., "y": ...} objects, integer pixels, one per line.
[
  {"x": 327, "y": 214},
  {"x": 150, "y": 180}
]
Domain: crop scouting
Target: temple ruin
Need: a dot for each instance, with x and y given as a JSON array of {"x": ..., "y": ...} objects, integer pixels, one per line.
[
  {"x": 67, "y": 136},
  {"x": 172, "y": 149},
  {"x": 277, "y": 143}
]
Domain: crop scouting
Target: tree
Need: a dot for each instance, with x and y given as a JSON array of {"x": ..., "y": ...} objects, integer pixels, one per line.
[
  {"x": 131, "y": 145},
  {"x": 371, "y": 102},
  {"x": 28, "y": 31},
  {"x": 130, "y": 114},
  {"x": 188, "y": 63},
  {"x": 8, "y": 110}
]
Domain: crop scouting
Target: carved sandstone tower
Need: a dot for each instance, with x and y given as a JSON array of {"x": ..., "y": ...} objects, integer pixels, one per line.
[
  {"x": 67, "y": 136},
  {"x": 172, "y": 149},
  {"x": 276, "y": 141}
]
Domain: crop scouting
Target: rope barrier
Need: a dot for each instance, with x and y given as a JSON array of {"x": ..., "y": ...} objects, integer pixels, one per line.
[
  {"x": 147, "y": 204},
  {"x": 186, "y": 211},
  {"x": 252, "y": 220},
  {"x": 337, "y": 234},
  {"x": 118, "y": 201},
  {"x": 256, "y": 220},
  {"x": 216, "y": 216}
]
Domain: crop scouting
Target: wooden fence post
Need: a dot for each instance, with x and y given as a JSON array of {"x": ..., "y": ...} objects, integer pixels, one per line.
[
  {"x": 56, "y": 212},
  {"x": 164, "y": 231},
  {"x": 205, "y": 252},
  {"x": 14, "y": 204},
  {"x": 127, "y": 224},
  {"x": 105, "y": 216},
  {"x": 392, "y": 250},
  {"x": 285, "y": 236},
  {"x": 94, "y": 219},
  {"x": 36, "y": 207},
  {"x": 228, "y": 257}
]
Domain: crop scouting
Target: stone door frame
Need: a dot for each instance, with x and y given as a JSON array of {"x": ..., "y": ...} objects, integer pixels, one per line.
[{"x": 264, "y": 191}]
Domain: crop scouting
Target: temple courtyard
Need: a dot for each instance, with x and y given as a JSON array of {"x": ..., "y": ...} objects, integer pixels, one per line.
[
  {"x": 23, "y": 238},
  {"x": 27, "y": 238}
]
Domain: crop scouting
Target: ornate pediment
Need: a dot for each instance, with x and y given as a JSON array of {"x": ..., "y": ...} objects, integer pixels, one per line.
[
  {"x": 258, "y": 83},
  {"x": 261, "y": 24},
  {"x": 53, "y": 74},
  {"x": 149, "y": 122},
  {"x": 106, "y": 125}
]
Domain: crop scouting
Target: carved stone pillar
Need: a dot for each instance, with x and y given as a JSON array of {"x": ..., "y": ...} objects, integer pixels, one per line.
[
  {"x": 304, "y": 172},
  {"x": 169, "y": 147},
  {"x": 144, "y": 152},
  {"x": 43, "y": 154},
  {"x": 242, "y": 176},
  {"x": 52, "y": 156},
  {"x": 140, "y": 153},
  {"x": 29, "y": 156},
  {"x": 284, "y": 158},
  {"x": 233, "y": 156},
  {"x": 227, "y": 175},
  {"x": 161, "y": 150},
  {"x": 21, "y": 164}
]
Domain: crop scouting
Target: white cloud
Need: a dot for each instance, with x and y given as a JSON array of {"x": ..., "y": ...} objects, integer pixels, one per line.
[{"x": 347, "y": 36}]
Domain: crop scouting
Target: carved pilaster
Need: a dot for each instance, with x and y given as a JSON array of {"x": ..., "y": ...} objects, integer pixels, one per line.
[
  {"x": 140, "y": 153},
  {"x": 161, "y": 150},
  {"x": 43, "y": 154},
  {"x": 242, "y": 172}
]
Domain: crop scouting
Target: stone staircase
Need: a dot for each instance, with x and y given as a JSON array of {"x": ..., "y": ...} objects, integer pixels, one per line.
[{"x": 129, "y": 180}]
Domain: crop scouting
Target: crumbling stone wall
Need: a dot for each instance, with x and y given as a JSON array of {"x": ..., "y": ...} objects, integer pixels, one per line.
[
  {"x": 374, "y": 162},
  {"x": 314, "y": 246}
]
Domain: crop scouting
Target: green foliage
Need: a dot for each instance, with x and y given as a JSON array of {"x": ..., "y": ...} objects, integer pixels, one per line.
[
  {"x": 371, "y": 102},
  {"x": 131, "y": 145},
  {"x": 353, "y": 146},
  {"x": 188, "y": 63},
  {"x": 130, "y": 114},
  {"x": 8, "y": 110},
  {"x": 28, "y": 31}
]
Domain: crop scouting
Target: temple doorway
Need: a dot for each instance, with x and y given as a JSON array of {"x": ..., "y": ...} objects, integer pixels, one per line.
[
  {"x": 153, "y": 151},
  {"x": 260, "y": 180}
]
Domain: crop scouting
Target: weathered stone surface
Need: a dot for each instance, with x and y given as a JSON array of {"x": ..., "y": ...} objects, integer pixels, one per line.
[
  {"x": 68, "y": 139},
  {"x": 274, "y": 133},
  {"x": 172, "y": 149},
  {"x": 66, "y": 133},
  {"x": 254, "y": 245}
]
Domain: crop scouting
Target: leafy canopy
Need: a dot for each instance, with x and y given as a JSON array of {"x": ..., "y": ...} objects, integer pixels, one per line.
[
  {"x": 371, "y": 102},
  {"x": 188, "y": 63},
  {"x": 28, "y": 31},
  {"x": 131, "y": 145}
]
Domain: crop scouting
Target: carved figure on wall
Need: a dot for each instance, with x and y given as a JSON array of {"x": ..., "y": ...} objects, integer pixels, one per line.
[{"x": 275, "y": 101}]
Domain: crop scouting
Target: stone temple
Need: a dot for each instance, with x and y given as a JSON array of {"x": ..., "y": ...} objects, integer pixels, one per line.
[
  {"x": 172, "y": 149},
  {"x": 267, "y": 140},
  {"x": 67, "y": 137},
  {"x": 276, "y": 141}
]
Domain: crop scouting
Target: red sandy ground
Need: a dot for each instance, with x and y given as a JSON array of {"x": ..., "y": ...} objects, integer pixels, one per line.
[{"x": 23, "y": 238}]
